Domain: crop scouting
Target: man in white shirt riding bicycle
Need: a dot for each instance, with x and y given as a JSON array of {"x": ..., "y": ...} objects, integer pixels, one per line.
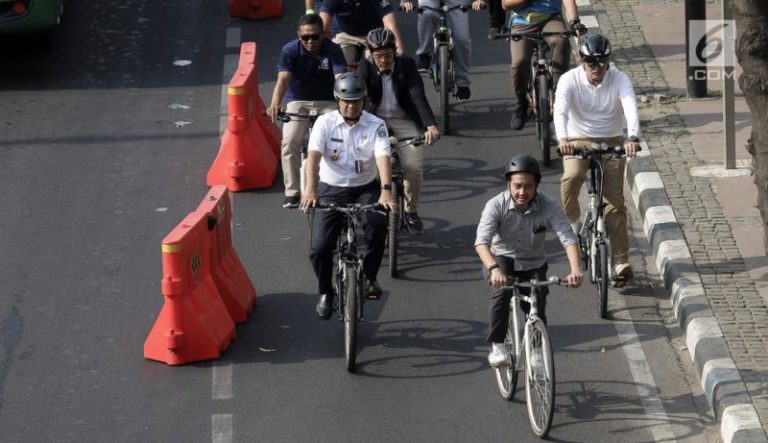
[
  {"x": 591, "y": 103},
  {"x": 349, "y": 153},
  {"x": 510, "y": 242}
]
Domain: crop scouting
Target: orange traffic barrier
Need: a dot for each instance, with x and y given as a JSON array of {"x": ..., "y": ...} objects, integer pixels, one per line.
[
  {"x": 228, "y": 272},
  {"x": 245, "y": 160},
  {"x": 248, "y": 56},
  {"x": 255, "y": 9},
  {"x": 193, "y": 323}
]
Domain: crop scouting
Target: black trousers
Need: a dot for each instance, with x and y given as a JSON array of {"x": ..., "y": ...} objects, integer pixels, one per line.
[
  {"x": 500, "y": 298},
  {"x": 498, "y": 17},
  {"x": 327, "y": 226}
]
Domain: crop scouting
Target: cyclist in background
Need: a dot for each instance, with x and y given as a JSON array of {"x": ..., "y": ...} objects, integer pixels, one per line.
[
  {"x": 533, "y": 15},
  {"x": 350, "y": 21},
  {"x": 349, "y": 152},
  {"x": 396, "y": 94},
  {"x": 306, "y": 71},
  {"x": 591, "y": 104},
  {"x": 510, "y": 242},
  {"x": 497, "y": 18},
  {"x": 459, "y": 24}
]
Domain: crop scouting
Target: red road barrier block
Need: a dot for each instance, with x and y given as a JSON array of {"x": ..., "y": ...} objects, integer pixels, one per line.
[
  {"x": 255, "y": 9},
  {"x": 228, "y": 272},
  {"x": 245, "y": 160},
  {"x": 193, "y": 323},
  {"x": 249, "y": 56}
]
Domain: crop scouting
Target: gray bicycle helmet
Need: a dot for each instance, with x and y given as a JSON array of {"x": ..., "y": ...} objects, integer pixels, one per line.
[
  {"x": 595, "y": 45},
  {"x": 380, "y": 38},
  {"x": 523, "y": 163},
  {"x": 350, "y": 86}
]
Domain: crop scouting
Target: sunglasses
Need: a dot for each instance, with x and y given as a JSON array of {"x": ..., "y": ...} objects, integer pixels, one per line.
[
  {"x": 308, "y": 37},
  {"x": 594, "y": 62}
]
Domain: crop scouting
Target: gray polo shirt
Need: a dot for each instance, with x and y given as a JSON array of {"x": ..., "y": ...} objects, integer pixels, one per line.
[{"x": 520, "y": 235}]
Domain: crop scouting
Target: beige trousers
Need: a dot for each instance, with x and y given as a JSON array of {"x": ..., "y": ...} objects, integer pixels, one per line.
[
  {"x": 411, "y": 159},
  {"x": 293, "y": 135},
  {"x": 574, "y": 173}
]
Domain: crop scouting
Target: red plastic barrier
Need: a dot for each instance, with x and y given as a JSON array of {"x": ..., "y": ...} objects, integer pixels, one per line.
[
  {"x": 249, "y": 56},
  {"x": 228, "y": 272},
  {"x": 193, "y": 323},
  {"x": 255, "y": 9},
  {"x": 245, "y": 160}
]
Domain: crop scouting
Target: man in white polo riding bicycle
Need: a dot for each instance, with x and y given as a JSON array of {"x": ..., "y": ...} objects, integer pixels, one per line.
[
  {"x": 396, "y": 94},
  {"x": 349, "y": 153},
  {"x": 591, "y": 104},
  {"x": 510, "y": 242}
]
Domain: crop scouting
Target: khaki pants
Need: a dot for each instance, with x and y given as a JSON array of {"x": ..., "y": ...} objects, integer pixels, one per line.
[
  {"x": 411, "y": 160},
  {"x": 353, "y": 47},
  {"x": 574, "y": 173},
  {"x": 293, "y": 135},
  {"x": 521, "y": 54}
]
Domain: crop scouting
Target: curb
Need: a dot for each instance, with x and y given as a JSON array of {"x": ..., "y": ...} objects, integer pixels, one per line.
[{"x": 718, "y": 374}]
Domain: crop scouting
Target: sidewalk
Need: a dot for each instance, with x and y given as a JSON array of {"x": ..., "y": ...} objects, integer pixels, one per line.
[{"x": 701, "y": 221}]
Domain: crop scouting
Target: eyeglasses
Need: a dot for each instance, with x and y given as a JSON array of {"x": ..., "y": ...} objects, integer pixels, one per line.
[
  {"x": 308, "y": 37},
  {"x": 595, "y": 62}
]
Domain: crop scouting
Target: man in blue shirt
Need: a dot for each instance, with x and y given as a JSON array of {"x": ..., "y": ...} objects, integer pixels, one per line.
[
  {"x": 350, "y": 21},
  {"x": 532, "y": 15},
  {"x": 307, "y": 68}
]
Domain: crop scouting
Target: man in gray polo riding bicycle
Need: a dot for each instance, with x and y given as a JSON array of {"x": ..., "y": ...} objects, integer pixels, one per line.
[
  {"x": 592, "y": 102},
  {"x": 510, "y": 242}
]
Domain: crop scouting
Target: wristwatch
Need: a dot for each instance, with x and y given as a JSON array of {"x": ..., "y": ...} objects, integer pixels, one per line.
[
  {"x": 492, "y": 267},
  {"x": 634, "y": 139},
  {"x": 387, "y": 187}
]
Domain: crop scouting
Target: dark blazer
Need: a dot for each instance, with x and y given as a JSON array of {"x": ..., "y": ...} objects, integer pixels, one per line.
[{"x": 409, "y": 89}]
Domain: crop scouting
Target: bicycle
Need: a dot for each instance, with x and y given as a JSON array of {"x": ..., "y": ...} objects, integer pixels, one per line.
[
  {"x": 593, "y": 237},
  {"x": 527, "y": 346},
  {"x": 348, "y": 273},
  {"x": 541, "y": 88},
  {"x": 396, "y": 220},
  {"x": 441, "y": 69}
]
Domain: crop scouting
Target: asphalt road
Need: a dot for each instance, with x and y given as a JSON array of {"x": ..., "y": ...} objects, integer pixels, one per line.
[{"x": 104, "y": 148}]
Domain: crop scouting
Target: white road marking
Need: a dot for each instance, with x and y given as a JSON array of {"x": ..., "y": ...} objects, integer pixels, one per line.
[
  {"x": 222, "y": 426},
  {"x": 222, "y": 381}
]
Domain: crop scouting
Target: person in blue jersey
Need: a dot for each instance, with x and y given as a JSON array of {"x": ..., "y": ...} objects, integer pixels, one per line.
[
  {"x": 350, "y": 21},
  {"x": 306, "y": 71},
  {"x": 532, "y": 15}
]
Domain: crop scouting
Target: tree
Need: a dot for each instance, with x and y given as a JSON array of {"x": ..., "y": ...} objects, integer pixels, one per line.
[{"x": 751, "y": 18}]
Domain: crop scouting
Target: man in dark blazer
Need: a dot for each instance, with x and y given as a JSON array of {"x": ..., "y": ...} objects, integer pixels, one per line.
[{"x": 396, "y": 94}]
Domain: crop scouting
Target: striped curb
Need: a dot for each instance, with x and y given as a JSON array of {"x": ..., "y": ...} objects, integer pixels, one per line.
[{"x": 719, "y": 376}]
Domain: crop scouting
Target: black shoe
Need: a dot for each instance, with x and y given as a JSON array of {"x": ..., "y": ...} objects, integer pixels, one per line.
[
  {"x": 493, "y": 32},
  {"x": 519, "y": 115},
  {"x": 414, "y": 223},
  {"x": 425, "y": 60},
  {"x": 372, "y": 289},
  {"x": 291, "y": 201},
  {"x": 324, "y": 307},
  {"x": 463, "y": 92}
]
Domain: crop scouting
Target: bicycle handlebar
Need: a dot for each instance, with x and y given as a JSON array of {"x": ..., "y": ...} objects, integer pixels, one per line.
[
  {"x": 445, "y": 9},
  {"x": 402, "y": 142},
  {"x": 350, "y": 208},
  {"x": 552, "y": 280},
  {"x": 598, "y": 149},
  {"x": 285, "y": 117},
  {"x": 531, "y": 35}
]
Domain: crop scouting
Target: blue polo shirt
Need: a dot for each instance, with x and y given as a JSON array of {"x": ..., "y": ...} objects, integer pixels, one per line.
[
  {"x": 356, "y": 17},
  {"x": 312, "y": 76},
  {"x": 536, "y": 12}
]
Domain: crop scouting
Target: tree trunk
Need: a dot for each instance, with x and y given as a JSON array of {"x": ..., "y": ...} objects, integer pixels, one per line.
[{"x": 751, "y": 18}]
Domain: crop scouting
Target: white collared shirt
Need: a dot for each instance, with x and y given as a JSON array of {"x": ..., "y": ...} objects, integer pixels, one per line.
[
  {"x": 341, "y": 145},
  {"x": 389, "y": 107},
  {"x": 583, "y": 110}
]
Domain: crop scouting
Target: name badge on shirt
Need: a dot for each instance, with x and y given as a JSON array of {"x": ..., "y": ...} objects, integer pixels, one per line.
[{"x": 359, "y": 166}]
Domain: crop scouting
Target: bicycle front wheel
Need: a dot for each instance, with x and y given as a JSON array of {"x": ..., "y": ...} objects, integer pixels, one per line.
[
  {"x": 601, "y": 277},
  {"x": 393, "y": 228},
  {"x": 352, "y": 289},
  {"x": 545, "y": 116},
  {"x": 506, "y": 377},
  {"x": 539, "y": 378},
  {"x": 445, "y": 86}
]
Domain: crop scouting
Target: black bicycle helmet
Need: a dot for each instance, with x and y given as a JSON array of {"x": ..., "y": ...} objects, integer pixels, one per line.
[
  {"x": 523, "y": 163},
  {"x": 594, "y": 45},
  {"x": 380, "y": 38},
  {"x": 350, "y": 86}
]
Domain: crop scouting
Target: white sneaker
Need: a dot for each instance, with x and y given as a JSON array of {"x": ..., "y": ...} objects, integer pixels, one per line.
[{"x": 497, "y": 358}]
